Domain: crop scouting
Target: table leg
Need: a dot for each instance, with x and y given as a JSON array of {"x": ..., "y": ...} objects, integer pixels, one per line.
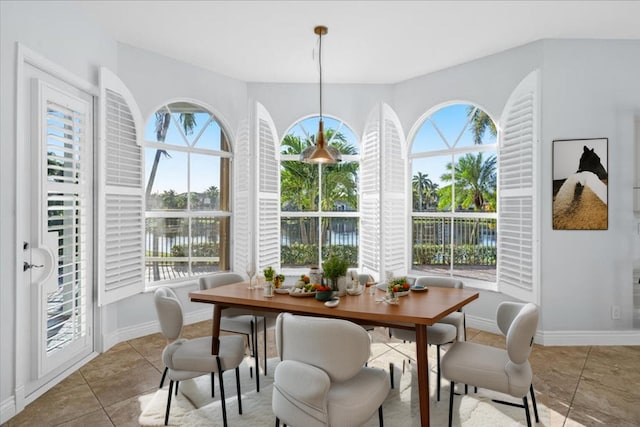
[
  {"x": 423, "y": 373},
  {"x": 215, "y": 330}
]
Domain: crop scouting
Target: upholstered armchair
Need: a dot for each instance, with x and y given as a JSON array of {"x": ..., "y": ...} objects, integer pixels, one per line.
[
  {"x": 321, "y": 379},
  {"x": 457, "y": 318},
  {"x": 506, "y": 371},
  {"x": 240, "y": 321},
  {"x": 185, "y": 359}
]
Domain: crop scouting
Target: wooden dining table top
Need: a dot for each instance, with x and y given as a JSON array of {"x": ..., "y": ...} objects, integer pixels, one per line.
[{"x": 418, "y": 307}]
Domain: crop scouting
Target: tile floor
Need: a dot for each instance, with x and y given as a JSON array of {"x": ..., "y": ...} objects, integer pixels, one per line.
[{"x": 590, "y": 386}]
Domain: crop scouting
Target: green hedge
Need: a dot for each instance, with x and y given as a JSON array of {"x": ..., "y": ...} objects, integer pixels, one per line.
[
  {"x": 429, "y": 254},
  {"x": 301, "y": 255},
  {"x": 298, "y": 254}
]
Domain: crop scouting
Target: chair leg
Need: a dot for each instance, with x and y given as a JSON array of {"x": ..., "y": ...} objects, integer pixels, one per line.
[
  {"x": 391, "y": 374},
  {"x": 451, "y": 393},
  {"x": 213, "y": 388},
  {"x": 438, "y": 354},
  {"x": 177, "y": 384},
  {"x": 264, "y": 339},
  {"x": 222, "y": 400},
  {"x": 380, "y": 419},
  {"x": 166, "y": 414},
  {"x": 535, "y": 405},
  {"x": 164, "y": 375},
  {"x": 257, "y": 361},
  {"x": 252, "y": 346},
  {"x": 526, "y": 410},
  {"x": 277, "y": 422},
  {"x": 238, "y": 390}
]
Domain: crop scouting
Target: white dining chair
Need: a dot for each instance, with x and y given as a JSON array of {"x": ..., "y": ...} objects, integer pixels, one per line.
[
  {"x": 321, "y": 379},
  {"x": 185, "y": 359},
  {"x": 507, "y": 370},
  {"x": 240, "y": 321}
]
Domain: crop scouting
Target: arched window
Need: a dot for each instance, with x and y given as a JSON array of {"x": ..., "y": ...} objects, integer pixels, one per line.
[
  {"x": 319, "y": 204},
  {"x": 187, "y": 162},
  {"x": 454, "y": 193}
]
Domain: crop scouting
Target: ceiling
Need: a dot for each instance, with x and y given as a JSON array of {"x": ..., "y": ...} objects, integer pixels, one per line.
[{"x": 368, "y": 41}]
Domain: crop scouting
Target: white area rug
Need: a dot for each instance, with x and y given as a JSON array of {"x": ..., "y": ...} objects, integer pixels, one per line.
[{"x": 194, "y": 406}]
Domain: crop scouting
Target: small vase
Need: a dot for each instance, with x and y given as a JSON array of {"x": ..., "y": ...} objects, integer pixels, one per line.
[
  {"x": 268, "y": 288},
  {"x": 342, "y": 285}
]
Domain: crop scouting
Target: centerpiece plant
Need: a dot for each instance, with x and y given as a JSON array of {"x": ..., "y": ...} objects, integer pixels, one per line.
[{"x": 333, "y": 268}]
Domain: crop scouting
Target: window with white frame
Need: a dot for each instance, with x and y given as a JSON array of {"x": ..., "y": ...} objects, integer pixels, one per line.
[
  {"x": 319, "y": 204},
  {"x": 454, "y": 194},
  {"x": 187, "y": 218}
]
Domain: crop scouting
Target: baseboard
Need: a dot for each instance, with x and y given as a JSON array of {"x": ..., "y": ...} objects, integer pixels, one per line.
[
  {"x": 565, "y": 338},
  {"x": 7, "y": 409},
  {"x": 148, "y": 328},
  {"x": 487, "y": 325}
]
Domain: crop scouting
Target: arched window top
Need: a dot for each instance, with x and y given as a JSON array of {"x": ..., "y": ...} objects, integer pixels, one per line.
[
  {"x": 453, "y": 127},
  {"x": 188, "y": 125},
  {"x": 303, "y": 134}
]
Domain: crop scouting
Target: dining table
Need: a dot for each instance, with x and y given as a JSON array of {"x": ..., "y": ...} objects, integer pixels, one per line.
[{"x": 416, "y": 311}]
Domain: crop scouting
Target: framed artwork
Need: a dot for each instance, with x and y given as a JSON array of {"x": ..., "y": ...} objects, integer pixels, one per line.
[{"x": 580, "y": 184}]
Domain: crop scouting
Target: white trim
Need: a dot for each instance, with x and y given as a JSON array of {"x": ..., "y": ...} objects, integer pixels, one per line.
[
  {"x": 486, "y": 325},
  {"x": 565, "y": 338},
  {"x": 151, "y": 327},
  {"x": 586, "y": 338},
  {"x": 7, "y": 409}
]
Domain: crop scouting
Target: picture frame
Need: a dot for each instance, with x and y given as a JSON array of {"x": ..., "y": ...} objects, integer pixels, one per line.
[{"x": 580, "y": 184}]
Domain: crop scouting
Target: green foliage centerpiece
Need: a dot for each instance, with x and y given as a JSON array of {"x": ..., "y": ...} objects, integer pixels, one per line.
[{"x": 333, "y": 268}]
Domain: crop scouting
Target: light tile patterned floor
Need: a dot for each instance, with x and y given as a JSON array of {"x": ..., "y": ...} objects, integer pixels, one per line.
[{"x": 590, "y": 386}]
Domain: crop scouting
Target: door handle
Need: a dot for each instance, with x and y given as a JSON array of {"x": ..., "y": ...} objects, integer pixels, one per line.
[{"x": 26, "y": 266}]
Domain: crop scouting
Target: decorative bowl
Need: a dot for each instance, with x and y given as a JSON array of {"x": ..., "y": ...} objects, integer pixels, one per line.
[{"x": 324, "y": 295}]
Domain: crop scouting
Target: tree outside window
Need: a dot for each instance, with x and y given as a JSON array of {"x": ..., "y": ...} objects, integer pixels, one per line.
[
  {"x": 319, "y": 203},
  {"x": 187, "y": 193},
  {"x": 454, "y": 188}
]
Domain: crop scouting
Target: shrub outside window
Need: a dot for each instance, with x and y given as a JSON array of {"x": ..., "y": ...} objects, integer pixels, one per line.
[
  {"x": 319, "y": 203},
  {"x": 187, "y": 219},
  {"x": 454, "y": 194}
]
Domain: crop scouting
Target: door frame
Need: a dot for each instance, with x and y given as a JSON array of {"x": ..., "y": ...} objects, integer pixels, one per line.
[{"x": 27, "y": 57}]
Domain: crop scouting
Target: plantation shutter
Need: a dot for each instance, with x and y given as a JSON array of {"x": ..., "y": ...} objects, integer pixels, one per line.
[
  {"x": 370, "y": 195},
  {"x": 393, "y": 192},
  {"x": 243, "y": 208},
  {"x": 268, "y": 205},
  {"x": 518, "y": 202},
  {"x": 121, "y": 194}
]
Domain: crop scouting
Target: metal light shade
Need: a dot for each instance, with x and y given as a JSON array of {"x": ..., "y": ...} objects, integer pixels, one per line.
[{"x": 321, "y": 152}]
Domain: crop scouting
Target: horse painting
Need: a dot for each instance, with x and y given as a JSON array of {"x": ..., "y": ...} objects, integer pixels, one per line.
[{"x": 580, "y": 200}]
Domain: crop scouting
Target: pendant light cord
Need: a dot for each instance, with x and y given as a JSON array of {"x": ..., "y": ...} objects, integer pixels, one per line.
[{"x": 320, "y": 64}]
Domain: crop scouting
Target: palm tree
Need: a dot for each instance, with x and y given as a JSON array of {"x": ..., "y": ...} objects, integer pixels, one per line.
[
  {"x": 163, "y": 119},
  {"x": 475, "y": 182},
  {"x": 421, "y": 183},
  {"x": 480, "y": 122},
  {"x": 299, "y": 181},
  {"x": 474, "y": 186}
]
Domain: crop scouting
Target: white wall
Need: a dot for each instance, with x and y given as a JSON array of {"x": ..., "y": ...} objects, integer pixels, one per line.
[
  {"x": 62, "y": 33},
  {"x": 590, "y": 89},
  {"x": 288, "y": 103},
  {"x": 155, "y": 80}
]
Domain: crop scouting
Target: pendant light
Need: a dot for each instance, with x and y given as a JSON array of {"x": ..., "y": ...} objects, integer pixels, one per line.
[{"x": 321, "y": 152}]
